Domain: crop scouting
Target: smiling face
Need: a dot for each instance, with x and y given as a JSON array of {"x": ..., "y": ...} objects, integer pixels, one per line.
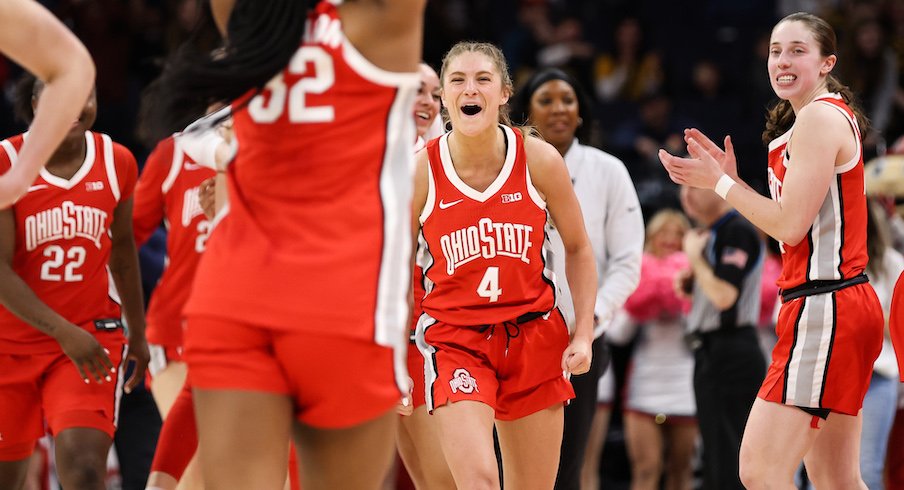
[
  {"x": 554, "y": 110},
  {"x": 474, "y": 90},
  {"x": 427, "y": 104},
  {"x": 667, "y": 239},
  {"x": 798, "y": 63}
]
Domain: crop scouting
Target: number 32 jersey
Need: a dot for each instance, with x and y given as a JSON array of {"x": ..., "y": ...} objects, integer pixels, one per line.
[
  {"x": 63, "y": 240},
  {"x": 486, "y": 253},
  {"x": 318, "y": 237}
]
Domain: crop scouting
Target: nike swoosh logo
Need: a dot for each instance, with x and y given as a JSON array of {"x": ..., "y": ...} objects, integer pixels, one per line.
[
  {"x": 447, "y": 205},
  {"x": 37, "y": 187},
  {"x": 192, "y": 166}
]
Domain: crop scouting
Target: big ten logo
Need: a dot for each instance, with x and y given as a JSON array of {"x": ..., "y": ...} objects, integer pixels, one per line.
[{"x": 507, "y": 198}]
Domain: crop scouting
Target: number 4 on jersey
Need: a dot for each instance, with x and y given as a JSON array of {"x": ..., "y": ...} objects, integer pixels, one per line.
[{"x": 489, "y": 285}]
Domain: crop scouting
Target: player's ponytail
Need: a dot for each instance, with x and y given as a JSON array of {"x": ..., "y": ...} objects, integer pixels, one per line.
[{"x": 261, "y": 37}]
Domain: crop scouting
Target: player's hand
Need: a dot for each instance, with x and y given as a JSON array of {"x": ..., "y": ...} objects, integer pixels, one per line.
[
  {"x": 726, "y": 159},
  {"x": 577, "y": 356},
  {"x": 89, "y": 357},
  {"x": 405, "y": 407},
  {"x": 139, "y": 354},
  {"x": 207, "y": 197}
]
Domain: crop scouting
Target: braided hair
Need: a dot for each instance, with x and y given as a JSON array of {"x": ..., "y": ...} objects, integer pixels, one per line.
[{"x": 261, "y": 37}]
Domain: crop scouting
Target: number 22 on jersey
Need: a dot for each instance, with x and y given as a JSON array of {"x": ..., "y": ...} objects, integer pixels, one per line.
[{"x": 265, "y": 109}]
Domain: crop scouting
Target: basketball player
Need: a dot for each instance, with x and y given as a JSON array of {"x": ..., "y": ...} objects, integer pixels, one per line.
[
  {"x": 312, "y": 257},
  {"x": 418, "y": 439},
  {"x": 830, "y": 326},
  {"x": 167, "y": 191},
  {"x": 494, "y": 343},
  {"x": 32, "y": 37},
  {"x": 61, "y": 336}
]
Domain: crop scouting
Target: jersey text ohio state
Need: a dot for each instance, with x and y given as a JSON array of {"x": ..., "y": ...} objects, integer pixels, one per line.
[
  {"x": 64, "y": 222},
  {"x": 487, "y": 240}
]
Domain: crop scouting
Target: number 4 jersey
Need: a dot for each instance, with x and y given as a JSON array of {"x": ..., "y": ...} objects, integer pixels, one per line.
[
  {"x": 63, "y": 240},
  {"x": 485, "y": 260}
]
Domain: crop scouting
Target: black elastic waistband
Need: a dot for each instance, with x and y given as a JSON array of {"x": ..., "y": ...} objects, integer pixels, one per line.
[{"x": 821, "y": 287}]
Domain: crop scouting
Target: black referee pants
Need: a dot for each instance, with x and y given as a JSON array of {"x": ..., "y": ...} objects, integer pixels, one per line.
[
  {"x": 578, "y": 418},
  {"x": 727, "y": 375}
]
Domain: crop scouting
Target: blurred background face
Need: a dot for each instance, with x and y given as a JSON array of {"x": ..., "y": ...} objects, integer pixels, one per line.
[
  {"x": 699, "y": 204},
  {"x": 427, "y": 104},
  {"x": 554, "y": 111},
  {"x": 667, "y": 240}
]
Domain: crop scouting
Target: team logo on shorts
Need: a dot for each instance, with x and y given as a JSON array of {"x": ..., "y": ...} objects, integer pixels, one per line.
[{"x": 463, "y": 381}]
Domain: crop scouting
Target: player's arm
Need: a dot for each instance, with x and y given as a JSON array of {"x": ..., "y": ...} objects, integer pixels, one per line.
[
  {"x": 127, "y": 277},
  {"x": 821, "y": 135},
  {"x": 16, "y": 296},
  {"x": 149, "y": 201},
  {"x": 388, "y": 34},
  {"x": 32, "y": 37},
  {"x": 550, "y": 176}
]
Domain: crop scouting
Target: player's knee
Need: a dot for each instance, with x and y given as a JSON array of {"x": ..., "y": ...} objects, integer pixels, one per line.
[
  {"x": 479, "y": 479},
  {"x": 84, "y": 474}
]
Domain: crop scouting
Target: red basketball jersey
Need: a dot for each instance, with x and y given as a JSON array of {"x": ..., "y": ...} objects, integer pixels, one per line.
[
  {"x": 167, "y": 191},
  {"x": 835, "y": 245},
  {"x": 318, "y": 231},
  {"x": 63, "y": 240},
  {"x": 485, "y": 260}
]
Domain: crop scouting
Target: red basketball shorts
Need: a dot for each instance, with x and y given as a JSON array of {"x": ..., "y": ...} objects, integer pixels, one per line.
[
  {"x": 416, "y": 371},
  {"x": 516, "y": 369},
  {"x": 334, "y": 381},
  {"x": 35, "y": 388},
  {"x": 826, "y": 347}
]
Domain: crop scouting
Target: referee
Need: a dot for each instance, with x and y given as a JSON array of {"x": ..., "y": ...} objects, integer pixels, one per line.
[{"x": 726, "y": 267}]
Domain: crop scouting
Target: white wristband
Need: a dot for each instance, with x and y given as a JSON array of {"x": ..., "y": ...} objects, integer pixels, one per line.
[{"x": 723, "y": 185}]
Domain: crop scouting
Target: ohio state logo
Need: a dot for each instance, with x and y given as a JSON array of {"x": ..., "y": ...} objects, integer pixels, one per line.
[{"x": 463, "y": 381}]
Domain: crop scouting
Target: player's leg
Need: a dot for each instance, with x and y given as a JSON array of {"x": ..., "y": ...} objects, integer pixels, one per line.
[
  {"x": 530, "y": 448},
  {"x": 776, "y": 439},
  {"x": 834, "y": 460},
  {"x": 421, "y": 451},
  {"x": 81, "y": 458},
  {"x": 243, "y": 438},
  {"x": 466, "y": 435},
  {"x": 324, "y": 454}
]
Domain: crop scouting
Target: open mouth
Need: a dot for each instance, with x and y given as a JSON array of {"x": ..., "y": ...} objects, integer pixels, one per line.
[
  {"x": 423, "y": 115},
  {"x": 471, "y": 110}
]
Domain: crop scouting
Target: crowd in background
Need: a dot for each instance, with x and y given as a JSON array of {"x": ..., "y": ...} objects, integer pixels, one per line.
[{"x": 648, "y": 74}]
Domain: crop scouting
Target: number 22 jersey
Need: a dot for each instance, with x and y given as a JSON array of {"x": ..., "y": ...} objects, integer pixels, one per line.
[
  {"x": 63, "y": 240},
  {"x": 485, "y": 259}
]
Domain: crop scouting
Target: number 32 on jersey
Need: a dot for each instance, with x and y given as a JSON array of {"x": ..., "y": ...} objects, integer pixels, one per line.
[{"x": 267, "y": 107}]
